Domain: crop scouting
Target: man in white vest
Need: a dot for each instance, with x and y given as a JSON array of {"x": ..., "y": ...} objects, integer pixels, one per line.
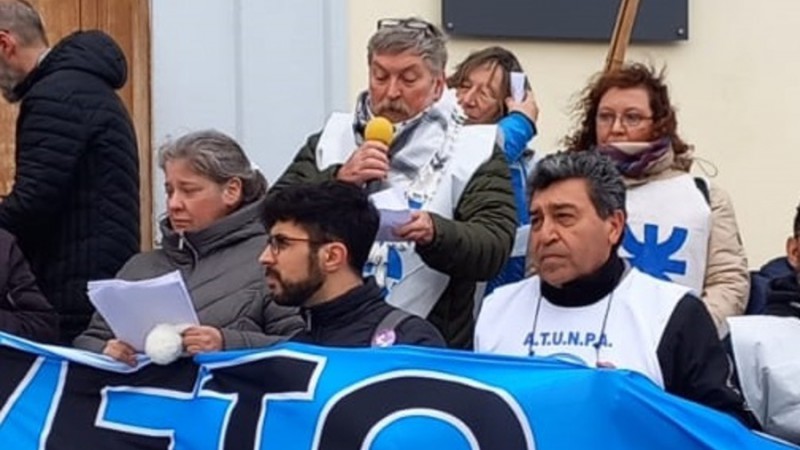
[
  {"x": 589, "y": 306},
  {"x": 451, "y": 180}
]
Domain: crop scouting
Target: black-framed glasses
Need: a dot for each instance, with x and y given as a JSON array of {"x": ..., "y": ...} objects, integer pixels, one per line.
[
  {"x": 276, "y": 243},
  {"x": 629, "y": 119},
  {"x": 412, "y": 24}
]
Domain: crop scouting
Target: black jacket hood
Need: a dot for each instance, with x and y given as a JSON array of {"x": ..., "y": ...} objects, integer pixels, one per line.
[
  {"x": 783, "y": 297},
  {"x": 92, "y": 51}
]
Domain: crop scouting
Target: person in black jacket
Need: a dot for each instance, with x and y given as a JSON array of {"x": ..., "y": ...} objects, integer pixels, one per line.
[
  {"x": 320, "y": 237},
  {"x": 783, "y": 290},
  {"x": 75, "y": 202},
  {"x": 774, "y": 287},
  {"x": 24, "y": 311}
]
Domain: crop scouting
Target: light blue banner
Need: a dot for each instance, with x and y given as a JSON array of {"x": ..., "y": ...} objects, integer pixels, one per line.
[{"x": 296, "y": 397}]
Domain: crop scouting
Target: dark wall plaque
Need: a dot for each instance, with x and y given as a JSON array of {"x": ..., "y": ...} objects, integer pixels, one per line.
[{"x": 593, "y": 20}]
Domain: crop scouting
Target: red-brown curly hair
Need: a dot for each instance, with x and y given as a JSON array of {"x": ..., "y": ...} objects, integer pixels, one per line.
[{"x": 630, "y": 75}]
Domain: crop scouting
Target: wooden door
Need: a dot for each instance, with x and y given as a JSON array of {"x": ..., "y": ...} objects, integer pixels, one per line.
[{"x": 128, "y": 21}]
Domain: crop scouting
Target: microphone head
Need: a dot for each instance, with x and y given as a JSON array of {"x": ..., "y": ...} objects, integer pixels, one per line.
[{"x": 379, "y": 129}]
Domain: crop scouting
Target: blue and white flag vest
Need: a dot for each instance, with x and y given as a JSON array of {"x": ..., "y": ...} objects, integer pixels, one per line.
[
  {"x": 513, "y": 323},
  {"x": 411, "y": 285},
  {"x": 667, "y": 231}
]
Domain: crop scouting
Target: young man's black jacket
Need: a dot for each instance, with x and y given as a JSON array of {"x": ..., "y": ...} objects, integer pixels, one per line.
[{"x": 351, "y": 320}]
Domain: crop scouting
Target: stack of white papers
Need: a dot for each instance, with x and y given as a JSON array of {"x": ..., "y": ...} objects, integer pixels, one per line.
[{"x": 133, "y": 308}]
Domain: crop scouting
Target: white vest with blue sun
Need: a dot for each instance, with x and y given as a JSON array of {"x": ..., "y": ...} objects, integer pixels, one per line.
[{"x": 667, "y": 232}]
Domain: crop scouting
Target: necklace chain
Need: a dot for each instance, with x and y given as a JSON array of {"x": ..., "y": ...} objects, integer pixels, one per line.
[{"x": 596, "y": 345}]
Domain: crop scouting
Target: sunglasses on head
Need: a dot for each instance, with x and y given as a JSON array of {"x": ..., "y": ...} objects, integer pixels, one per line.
[{"x": 410, "y": 24}]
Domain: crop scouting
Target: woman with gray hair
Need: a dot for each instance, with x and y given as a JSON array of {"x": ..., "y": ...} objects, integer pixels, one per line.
[
  {"x": 482, "y": 83},
  {"x": 213, "y": 234}
]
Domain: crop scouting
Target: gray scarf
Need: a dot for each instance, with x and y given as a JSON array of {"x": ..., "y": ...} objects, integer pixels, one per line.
[{"x": 416, "y": 140}]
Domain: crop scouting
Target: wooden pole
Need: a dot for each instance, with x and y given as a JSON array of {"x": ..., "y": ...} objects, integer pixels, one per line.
[{"x": 626, "y": 18}]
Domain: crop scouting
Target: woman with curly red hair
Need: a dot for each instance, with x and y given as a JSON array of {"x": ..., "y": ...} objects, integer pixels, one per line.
[{"x": 679, "y": 228}]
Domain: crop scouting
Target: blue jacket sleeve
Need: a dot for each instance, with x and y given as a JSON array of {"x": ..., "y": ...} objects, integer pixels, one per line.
[{"x": 517, "y": 131}]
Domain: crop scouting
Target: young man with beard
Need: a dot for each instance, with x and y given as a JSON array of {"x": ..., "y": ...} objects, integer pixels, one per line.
[
  {"x": 454, "y": 178},
  {"x": 320, "y": 238}
]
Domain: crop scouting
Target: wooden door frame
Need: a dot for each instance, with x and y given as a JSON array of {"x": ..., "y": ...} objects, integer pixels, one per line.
[{"x": 142, "y": 113}]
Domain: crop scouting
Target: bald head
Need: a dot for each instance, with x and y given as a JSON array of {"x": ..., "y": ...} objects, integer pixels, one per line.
[{"x": 19, "y": 18}]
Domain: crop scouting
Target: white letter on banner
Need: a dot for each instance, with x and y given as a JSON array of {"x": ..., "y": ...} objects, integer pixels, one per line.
[
  {"x": 166, "y": 413},
  {"x": 292, "y": 376}
]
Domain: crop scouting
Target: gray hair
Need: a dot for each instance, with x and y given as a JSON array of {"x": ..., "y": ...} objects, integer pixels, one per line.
[
  {"x": 605, "y": 185},
  {"x": 217, "y": 156},
  {"x": 426, "y": 41},
  {"x": 20, "y": 18}
]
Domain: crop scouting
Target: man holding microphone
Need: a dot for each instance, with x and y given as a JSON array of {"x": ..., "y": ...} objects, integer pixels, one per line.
[{"x": 453, "y": 178}]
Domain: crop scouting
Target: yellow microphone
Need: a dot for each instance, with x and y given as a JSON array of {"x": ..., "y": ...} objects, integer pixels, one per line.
[{"x": 378, "y": 129}]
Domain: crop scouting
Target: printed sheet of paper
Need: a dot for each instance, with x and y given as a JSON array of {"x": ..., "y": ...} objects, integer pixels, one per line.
[
  {"x": 133, "y": 308},
  {"x": 393, "y": 206}
]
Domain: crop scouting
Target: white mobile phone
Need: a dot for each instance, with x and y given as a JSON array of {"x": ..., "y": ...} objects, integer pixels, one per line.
[{"x": 517, "y": 86}]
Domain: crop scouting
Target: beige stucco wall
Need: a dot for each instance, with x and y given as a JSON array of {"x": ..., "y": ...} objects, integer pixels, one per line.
[{"x": 736, "y": 83}]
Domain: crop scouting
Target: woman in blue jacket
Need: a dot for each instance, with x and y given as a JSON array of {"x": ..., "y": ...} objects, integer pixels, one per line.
[{"x": 483, "y": 87}]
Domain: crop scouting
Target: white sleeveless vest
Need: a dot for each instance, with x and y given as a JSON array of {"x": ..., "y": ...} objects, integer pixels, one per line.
[
  {"x": 640, "y": 308},
  {"x": 768, "y": 364},
  {"x": 411, "y": 285},
  {"x": 667, "y": 232}
]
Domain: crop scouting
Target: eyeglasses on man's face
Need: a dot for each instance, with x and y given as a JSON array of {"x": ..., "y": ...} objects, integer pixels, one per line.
[
  {"x": 411, "y": 24},
  {"x": 628, "y": 119},
  {"x": 276, "y": 243}
]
